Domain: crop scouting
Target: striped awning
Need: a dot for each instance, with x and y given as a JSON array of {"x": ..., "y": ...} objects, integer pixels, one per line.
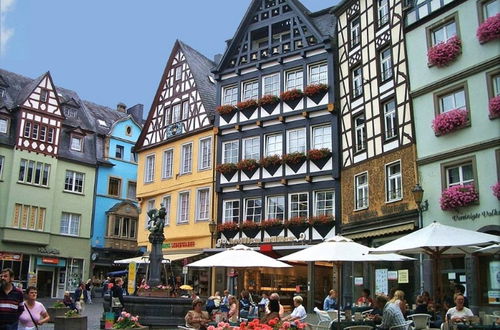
[{"x": 381, "y": 231}]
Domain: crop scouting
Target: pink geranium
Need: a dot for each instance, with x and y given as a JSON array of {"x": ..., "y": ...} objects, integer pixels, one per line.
[
  {"x": 494, "y": 107},
  {"x": 496, "y": 190},
  {"x": 458, "y": 196},
  {"x": 489, "y": 30},
  {"x": 445, "y": 52},
  {"x": 449, "y": 121}
]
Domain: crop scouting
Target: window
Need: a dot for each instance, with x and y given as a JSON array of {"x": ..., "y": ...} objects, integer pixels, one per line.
[
  {"x": 123, "y": 227},
  {"x": 359, "y": 133},
  {"x": 27, "y": 129},
  {"x": 294, "y": 80},
  {"x": 131, "y": 190},
  {"x": 185, "y": 110},
  {"x": 393, "y": 182},
  {"x": 250, "y": 90},
  {"x": 44, "y": 95},
  {"x": 231, "y": 211},
  {"x": 167, "y": 201},
  {"x": 274, "y": 145},
  {"x": 133, "y": 157},
  {"x": 361, "y": 193},
  {"x": 355, "y": 32},
  {"x": 490, "y": 8},
  {"x": 271, "y": 84},
  {"x": 275, "y": 206},
  {"x": 205, "y": 157},
  {"x": 128, "y": 131},
  {"x": 296, "y": 140},
  {"x": 461, "y": 174},
  {"x": 390, "y": 120},
  {"x": 70, "y": 224},
  {"x": 186, "y": 157},
  {"x": 34, "y": 173},
  {"x": 451, "y": 101},
  {"x": 178, "y": 73},
  {"x": 251, "y": 148},
  {"x": 168, "y": 160},
  {"x": 230, "y": 95},
  {"x": 176, "y": 113},
  {"x": 495, "y": 85},
  {"x": 357, "y": 82},
  {"x": 443, "y": 32},
  {"x": 114, "y": 187},
  {"x": 4, "y": 124},
  {"x": 322, "y": 137},
  {"x": 203, "y": 204},
  {"x": 324, "y": 203},
  {"x": 119, "y": 152},
  {"x": 76, "y": 143},
  {"x": 50, "y": 136},
  {"x": 253, "y": 209},
  {"x": 2, "y": 162},
  {"x": 34, "y": 132},
  {"x": 383, "y": 12},
  {"x": 151, "y": 204},
  {"x": 385, "y": 64},
  {"x": 299, "y": 205},
  {"x": 43, "y": 133},
  {"x": 149, "y": 174},
  {"x": 183, "y": 208},
  {"x": 73, "y": 181},
  {"x": 230, "y": 152},
  {"x": 318, "y": 74},
  {"x": 28, "y": 217}
]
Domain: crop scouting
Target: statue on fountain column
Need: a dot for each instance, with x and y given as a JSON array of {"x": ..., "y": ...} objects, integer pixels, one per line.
[{"x": 156, "y": 220}]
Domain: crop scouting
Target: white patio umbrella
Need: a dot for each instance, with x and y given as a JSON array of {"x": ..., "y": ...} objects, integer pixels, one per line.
[
  {"x": 491, "y": 249},
  {"x": 239, "y": 256}
]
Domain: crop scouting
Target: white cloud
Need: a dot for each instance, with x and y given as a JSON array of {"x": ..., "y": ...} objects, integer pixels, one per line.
[{"x": 5, "y": 32}]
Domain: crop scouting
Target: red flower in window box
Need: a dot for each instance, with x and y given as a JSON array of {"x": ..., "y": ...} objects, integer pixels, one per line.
[
  {"x": 489, "y": 29},
  {"x": 294, "y": 158},
  {"x": 269, "y": 100},
  {"x": 458, "y": 196},
  {"x": 494, "y": 107},
  {"x": 225, "y": 109},
  {"x": 496, "y": 190},
  {"x": 271, "y": 223},
  {"x": 227, "y": 226},
  {"x": 320, "y": 219},
  {"x": 445, "y": 52},
  {"x": 291, "y": 95},
  {"x": 314, "y": 89},
  {"x": 249, "y": 224},
  {"x": 247, "y": 104},
  {"x": 317, "y": 154},
  {"x": 449, "y": 121},
  {"x": 296, "y": 221},
  {"x": 227, "y": 169},
  {"x": 273, "y": 160},
  {"x": 248, "y": 166}
]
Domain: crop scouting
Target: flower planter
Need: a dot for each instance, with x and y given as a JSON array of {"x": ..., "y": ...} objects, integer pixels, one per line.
[
  {"x": 153, "y": 293},
  {"x": 269, "y": 107},
  {"x": 489, "y": 29},
  {"x": 247, "y": 107},
  {"x": 449, "y": 121},
  {"x": 494, "y": 107},
  {"x": 248, "y": 166},
  {"x": 274, "y": 230},
  {"x": 228, "y": 116},
  {"x": 248, "y": 112},
  {"x": 292, "y": 97},
  {"x": 445, "y": 52},
  {"x": 226, "y": 111},
  {"x": 320, "y": 163},
  {"x": 317, "y": 97},
  {"x": 316, "y": 92},
  {"x": 298, "y": 229},
  {"x": 323, "y": 228},
  {"x": 293, "y": 103},
  {"x": 269, "y": 102},
  {"x": 458, "y": 196},
  {"x": 70, "y": 323},
  {"x": 229, "y": 175},
  {"x": 56, "y": 312},
  {"x": 228, "y": 170},
  {"x": 272, "y": 169},
  {"x": 294, "y": 160},
  {"x": 230, "y": 233},
  {"x": 251, "y": 232},
  {"x": 296, "y": 166}
]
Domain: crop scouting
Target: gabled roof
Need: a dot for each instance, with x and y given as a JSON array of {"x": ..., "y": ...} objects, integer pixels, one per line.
[
  {"x": 104, "y": 113},
  {"x": 28, "y": 89},
  {"x": 119, "y": 205}
]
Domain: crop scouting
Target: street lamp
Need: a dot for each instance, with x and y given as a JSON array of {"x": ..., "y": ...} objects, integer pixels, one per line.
[
  {"x": 212, "y": 227},
  {"x": 418, "y": 195}
]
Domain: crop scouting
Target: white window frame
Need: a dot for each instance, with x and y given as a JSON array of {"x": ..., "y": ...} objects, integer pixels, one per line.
[
  {"x": 129, "y": 182},
  {"x": 267, "y": 151},
  {"x": 326, "y": 139},
  {"x": 453, "y": 95},
  {"x": 251, "y": 143},
  {"x": 167, "y": 204},
  {"x": 393, "y": 180},
  {"x": 359, "y": 134},
  {"x": 317, "y": 212},
  {"x": 225, "y": 209},
  {"x": 230, "y": 95},
  {"x": 390, "y": 119},
  {"x": 27, "y": 129},
  {"x": 357, "y": 82},
  {"x": 274, "y": 214},
  {"x": 255, "y": 217},
  {"x": 205, "y": 153},
  {"x": 271, "y": 84},
  {"x": 2, "y": 165},
  {"x": 182, "y": 217},
  {"x": 386, "y": 69},
  {"x": 382, "y": 12},
  {"x": 4, "y": 125},
  {"x": 361, "y": 189},
  {"x": 294, "y": 79},
  {"x": 355, "y": 32},
  {"x": 460, "y": 168},
  {"x": 74, "y": 220},
  {"x": 296, "y": 140},
  {"x": 73, "y": 186},
  {"x": 43, "y": 170},
  {"x": 319, "y": 77},
  {"x": 185, "y": 110},
  {"x": 186, "y": 158},
  {"x": 176, "y": 113},
  {"x": 297, "y": 213},
  {"x": 168, "y": 164},
  {"x": 200, "y": 208},
  {"x": 149, "y": 168},
  {"x": 447, "y": 32},
  {"x": 75, "y": 147},
  {"x": 250, "y": 90},
  {"x": 233, "y": 155},
  {"x": 50, "y": 135},
  {"x": 150, "y": 204},
  {"x": 178, "y": 72},
  {"x": 484, "y": 8}
]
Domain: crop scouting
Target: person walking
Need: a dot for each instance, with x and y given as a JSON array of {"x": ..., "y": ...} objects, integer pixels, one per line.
[
  {"x": 117, "y": 302},
  {"x": 80, "y": 297},
  {"x": 34, "y": 313},
  {"x": 88, "y": 288},
  {"x": 11, "y": 301}
]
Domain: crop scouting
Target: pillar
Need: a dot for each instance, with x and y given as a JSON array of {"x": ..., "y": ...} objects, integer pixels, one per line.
[{"x": 310, "y": 286}]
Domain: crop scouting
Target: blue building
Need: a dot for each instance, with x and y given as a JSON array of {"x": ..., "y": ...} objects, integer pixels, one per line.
[{"x": 116, "y": 212}]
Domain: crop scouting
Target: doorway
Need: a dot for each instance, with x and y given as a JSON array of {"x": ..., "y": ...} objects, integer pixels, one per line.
[{"x": 44, "y": 283}]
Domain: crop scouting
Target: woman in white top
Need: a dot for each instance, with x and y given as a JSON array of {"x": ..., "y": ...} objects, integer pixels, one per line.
[
  {"x": 299, "y": 312},
  {"x": 459, "y": 313}
]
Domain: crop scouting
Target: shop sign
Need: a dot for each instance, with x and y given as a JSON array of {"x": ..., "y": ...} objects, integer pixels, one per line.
[
  {"x": 403, "y": 276},
  {"x": 358, "y": 281},
  {"x": 49, "y": 260},
  {"x": 44, "y": 250},
  {"x": 11, "y": 256},
  {"x": 477, "y": 215},
  {"x": 132, "y": 271},
  {"x": 246, "y": 240},
  {"x": 32, "y": 279},
  {"x": 179, "y": 245}
]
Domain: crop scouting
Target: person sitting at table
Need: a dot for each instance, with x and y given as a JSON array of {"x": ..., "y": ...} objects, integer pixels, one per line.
[
  {"x": 375, "y": 315},
  {"x": 224, "y": 306},
  {"x": 460, "y": 289},
  {"x": 299, "y": 312},
  {"x": 244, "y": 304},
  {"x": 233, "y": 314},
  {"x": 365, "y": 299},
  {"x": 421, "y": 305},
  {"x": 398, "y": 299},
  {"x": 274, "y": 311},
  {"x": 459, "y": 313},
  {"x": 330, "y": 302},
  {"x": 264, "y": 299},
  {"x": 392, "y": 315},
  {"x": 68, "y": 301},
  {"x": 197, "y": 318},
  {"x": 275, "y": 296}
]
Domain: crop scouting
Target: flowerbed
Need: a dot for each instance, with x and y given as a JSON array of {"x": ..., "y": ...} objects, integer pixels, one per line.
[
  {"x": 496, "y": 190},
  {"x": 449, "y": 121},
  {"x": 458, "y": 196},
  {"x": 225, "y": 109},
  {"x": 274, "y": 324},
  {"x": 489, "y": 29},
  {"x": 445, "y": 52},
  {"x": 494, "y": 107}
]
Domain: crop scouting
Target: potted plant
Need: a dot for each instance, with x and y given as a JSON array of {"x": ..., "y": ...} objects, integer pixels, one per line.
[
  {"x": 268, "y": 102},
  {"x": 489, "y": 29},
  {"x": 319, "y": 156},
  {"x": 145, "y": 290},
  {"x": 316, "y": 92},
  {"x": 248, "y": 166},
  {"x": 230, "y": 229},
  {"x": 292, "y": 97},
  {"x": 71, "y": 320},
  {"x": 445, "y": 52},
  {"x": 272, "y": 226},
  {"x": 297, "y": 225},
  {"x": 294, "y": 160},
  {"x": 494, "y": 107},
  {"x": 57, "y": 309},
  {"x": 449, "y": 121},
  {"x": 226, "y": 111},
  {"x": 271, "y": 163},
  {"x": 250, "y": 228},
  {"x": 322, "y": 223},
  {"x": 127, "y": 321},
  {"x": 227, "y": 169},
  {"x": 247, "y": 107},
  {"x": 496, "y": 190},
  {"x": 458, "y": 196}
]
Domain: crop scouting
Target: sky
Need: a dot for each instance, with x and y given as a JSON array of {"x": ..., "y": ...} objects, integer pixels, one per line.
[{"x": 112, "y": 51}]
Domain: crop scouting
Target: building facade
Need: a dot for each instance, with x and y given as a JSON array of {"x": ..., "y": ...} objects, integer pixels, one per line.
[
  {"x": 176, "y": 164},
  {"x": 457, "y": 128},
  {"x": 277, "y": 147}
]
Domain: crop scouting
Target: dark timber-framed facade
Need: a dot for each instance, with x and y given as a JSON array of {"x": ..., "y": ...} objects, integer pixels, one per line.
[{"x": 279, "y": 46}]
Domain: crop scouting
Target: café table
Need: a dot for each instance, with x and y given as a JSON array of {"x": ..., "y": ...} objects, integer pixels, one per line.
[{"x": 345, "y": 324}]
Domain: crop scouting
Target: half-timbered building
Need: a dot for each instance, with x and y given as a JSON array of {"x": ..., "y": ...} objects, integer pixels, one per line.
[
  {"x": 378, "y": 147},
  {"x": 175, "y": 154},
  {"x": 277, "y": 150}
]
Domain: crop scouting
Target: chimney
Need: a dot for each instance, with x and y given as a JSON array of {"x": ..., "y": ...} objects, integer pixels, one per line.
[
  {"x": 122, "y": 107},
  {"x": 217, "y": 58}
]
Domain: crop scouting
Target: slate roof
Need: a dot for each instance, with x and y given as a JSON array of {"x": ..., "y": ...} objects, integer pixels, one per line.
[
  {"x": 101, "y": 112},
  {"x": 323, "y": 20}
]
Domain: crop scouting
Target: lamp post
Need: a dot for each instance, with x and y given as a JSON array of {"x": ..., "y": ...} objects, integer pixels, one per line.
[
  {"x": 212, "y": 227},
  {"x": 418, "y": 194}
]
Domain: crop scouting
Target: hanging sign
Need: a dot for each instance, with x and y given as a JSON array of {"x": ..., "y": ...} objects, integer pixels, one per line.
[
  {"x": 381, "y": 284},
  {"x": 403, "y": 276},
  {"x": 132, "y": 270}
]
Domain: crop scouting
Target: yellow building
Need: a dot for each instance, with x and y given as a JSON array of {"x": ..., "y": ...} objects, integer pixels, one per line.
[{"x": 176, "y": 160}]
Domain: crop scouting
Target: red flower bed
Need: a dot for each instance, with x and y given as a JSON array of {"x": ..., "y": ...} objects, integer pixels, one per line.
[
  {"x": 446, "y": 52},
  {"x": 494, "y": 107},
  {"x": 294, "y": 158},
  {"x": 247, "y": 165},
  {"x": 320, "y": 219},
  {"x": 247, "y": 104},
  {"x": 273, "y": 160},
  {"x": 489, "y": 30},
  {"x": 268, "y": 100},
  {"x": 458, "y": 196},
  {"x": 314, "y": 89},
  {"x": 271, "y": 223},
  {"x": 226, "y": 168},
  {"x": 317, "y": 154},
  {"x": 227, "y": 226},
  {"x": 225, "y": 109},
  {"x": 291, "y": 95},
  {"x": 449, "y": 121}
]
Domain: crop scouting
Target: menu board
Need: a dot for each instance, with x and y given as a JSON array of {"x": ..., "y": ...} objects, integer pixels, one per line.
[{"x": 381, "y": 283}]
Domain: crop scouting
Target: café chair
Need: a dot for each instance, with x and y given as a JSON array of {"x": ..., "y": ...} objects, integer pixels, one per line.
[
  {"x": 359, "y": 327},
  {"x": 324, "y": 320},
  {"x": 421, "y": 321},
  {"x": 406, "y": 326}
]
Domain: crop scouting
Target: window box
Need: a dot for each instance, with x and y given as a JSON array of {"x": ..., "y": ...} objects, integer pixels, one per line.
[
  {"x": 458, "y": 196},
  {"x": 247, "y": 107},
  {"x": 450, "y": 121},
  {"x": 496, "y": 190},
  {"x": 268, "y": 102},
  {"x": 271, "y": 163},
  {"x": 292, "y": 97},
  {"x": 294, "y": 160},
  {"x": 248, "y": 166},
  {"x": 250, "y": 228},
  {"x": 489, "y": 29},
  {"x": 272, "y": 226},
  {"x": 316, "y": 92},
  {"x": 230, "y": 229},
  {"x": 227, "y": 169},
  {"x": 444, "y": 53},
  {"x": 297, "y": 225},
  {"x": 322, "y": 223},
  {"x": 319, "y": 156},
  {"x": 226, "y": 111},
  {"x": 494, "y": 107}
]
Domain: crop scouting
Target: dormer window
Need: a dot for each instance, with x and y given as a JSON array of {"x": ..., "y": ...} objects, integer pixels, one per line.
[
  {"x": 102, "y": 123},
  {"x": 44, "y": 95},
  {"x": 4, "y": 124},
  {"x": 76, "y": 143}
]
